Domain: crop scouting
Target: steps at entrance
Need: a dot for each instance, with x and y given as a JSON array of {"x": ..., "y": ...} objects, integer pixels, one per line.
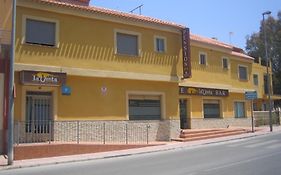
[{"x": 192, "y": 135}]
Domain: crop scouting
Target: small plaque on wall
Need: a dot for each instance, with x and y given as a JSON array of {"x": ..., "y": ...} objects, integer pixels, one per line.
[{"x": 65, "y": 90}]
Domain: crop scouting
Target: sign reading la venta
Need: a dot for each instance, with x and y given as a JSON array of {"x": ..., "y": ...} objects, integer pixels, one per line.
[
  {"x": 203, "y": 91},
  {"x": 42, "y": 78}
]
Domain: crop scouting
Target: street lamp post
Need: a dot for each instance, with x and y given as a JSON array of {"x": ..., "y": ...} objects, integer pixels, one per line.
[
  {"x": 10, "y": 140},
  {"x": 267, "y": 69}
]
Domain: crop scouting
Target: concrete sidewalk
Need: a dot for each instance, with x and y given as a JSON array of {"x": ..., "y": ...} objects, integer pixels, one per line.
[{"x": 119, "y": 153}]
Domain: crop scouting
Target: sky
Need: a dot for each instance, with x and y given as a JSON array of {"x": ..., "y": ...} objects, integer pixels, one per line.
[{"x": 229, "y": 21}]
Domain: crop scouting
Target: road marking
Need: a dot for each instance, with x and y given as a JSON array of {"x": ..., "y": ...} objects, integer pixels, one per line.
[{"x": 261, "y": 144}]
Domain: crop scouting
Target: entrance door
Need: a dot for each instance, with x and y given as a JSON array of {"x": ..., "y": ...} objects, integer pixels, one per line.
[
  {"x": 39, "y": 115},
  {"x": 183, "y": 114}
]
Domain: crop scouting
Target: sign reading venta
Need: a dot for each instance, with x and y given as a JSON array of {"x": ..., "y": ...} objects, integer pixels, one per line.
[
  {"x": 42, "y": 78},
  {"x": 203, "y": 91},
  {"x": 186, "y": 53}
]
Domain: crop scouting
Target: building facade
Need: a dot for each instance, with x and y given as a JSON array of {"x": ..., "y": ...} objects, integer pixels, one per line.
[
  {"x": 74, "y": 62},
  {"x": 85, "y": 63},
  {"x": 214, "y": 95}
]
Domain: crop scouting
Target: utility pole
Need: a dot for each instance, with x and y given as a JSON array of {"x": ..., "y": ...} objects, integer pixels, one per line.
[
  {"x": 267, "y": 70},
  {"x": 10, "y": 142}
]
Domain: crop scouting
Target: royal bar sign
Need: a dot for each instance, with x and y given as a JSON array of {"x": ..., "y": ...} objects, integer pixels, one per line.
[
  {"x": 203, "y": 91},
  {"x": 186, "y": 53},
  {"x": 42, "y": 78}
]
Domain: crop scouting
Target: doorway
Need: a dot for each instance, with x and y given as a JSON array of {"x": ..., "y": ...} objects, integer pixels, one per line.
[
  {"x": 183, "y": 114},
  {"x": 39, "y": 115}
]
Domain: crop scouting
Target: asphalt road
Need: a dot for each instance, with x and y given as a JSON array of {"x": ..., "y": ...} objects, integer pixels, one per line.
[{"x": 256, "y": 156}]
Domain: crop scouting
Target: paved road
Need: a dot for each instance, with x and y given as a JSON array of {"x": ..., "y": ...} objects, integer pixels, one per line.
[{"x": 256, "y": 156}]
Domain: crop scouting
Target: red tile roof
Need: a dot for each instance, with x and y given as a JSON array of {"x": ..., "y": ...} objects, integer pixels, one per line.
[
  {"x": 210, "y": 41},
  {"x": 241, "y": 55},
  {"x": 110, "y": 12},
  {"x": 235, "y": 51}
]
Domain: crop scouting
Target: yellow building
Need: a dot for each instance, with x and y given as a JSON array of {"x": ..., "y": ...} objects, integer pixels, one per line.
[
  {"x": 260, "y": 85},
  {"x": 214, "y": 95},
  {"x": 76, "y": 62}
]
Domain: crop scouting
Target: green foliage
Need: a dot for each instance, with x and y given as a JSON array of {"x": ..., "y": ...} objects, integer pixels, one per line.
[{"x": 255, "y": 47}]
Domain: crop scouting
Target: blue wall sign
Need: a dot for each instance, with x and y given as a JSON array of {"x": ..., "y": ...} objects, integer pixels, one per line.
[
  {"x": 251, "y": 95},
  {"x": 65, "y": 90}
]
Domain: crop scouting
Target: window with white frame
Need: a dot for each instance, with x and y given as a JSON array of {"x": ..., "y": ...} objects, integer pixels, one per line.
[
  {"x": 160, "y": 44},
  {"x": 242, "y": 72},
  {"x": 127, "y": 44},
  {"x": 202, "y": 58},
  {"x": 225, "y": 64},
  {"x": 239, "y": 109},
  {"x": 256, "y": 79},
  {"x": 40, "y": 32}
]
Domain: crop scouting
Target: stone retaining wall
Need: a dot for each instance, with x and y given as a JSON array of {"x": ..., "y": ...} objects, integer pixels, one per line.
[
  {"x": 102, "y": 132},
  {"x": 220, "y": 123},
  {"x": 115, "y": 132}
]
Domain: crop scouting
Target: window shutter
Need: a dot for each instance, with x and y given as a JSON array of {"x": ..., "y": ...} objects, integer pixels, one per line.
[
  {"x": 40, "y": 32},
  {"x": 127, "y": 44}
]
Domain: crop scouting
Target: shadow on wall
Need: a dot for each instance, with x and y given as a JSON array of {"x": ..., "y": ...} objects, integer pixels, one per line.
[{"x": 87, "y": 52}]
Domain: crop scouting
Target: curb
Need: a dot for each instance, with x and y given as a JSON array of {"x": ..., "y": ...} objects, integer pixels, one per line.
[{"x": 136, "y": 151}]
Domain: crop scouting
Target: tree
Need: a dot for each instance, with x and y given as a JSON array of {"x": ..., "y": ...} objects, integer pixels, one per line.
[{"x": 255, "y": 47}]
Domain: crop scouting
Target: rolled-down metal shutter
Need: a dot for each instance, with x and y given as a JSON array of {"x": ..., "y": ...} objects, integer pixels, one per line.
[{"x": 144, "y": 107}]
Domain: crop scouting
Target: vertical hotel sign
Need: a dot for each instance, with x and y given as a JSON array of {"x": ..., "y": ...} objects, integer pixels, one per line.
[{"x": 186, "y": 53}]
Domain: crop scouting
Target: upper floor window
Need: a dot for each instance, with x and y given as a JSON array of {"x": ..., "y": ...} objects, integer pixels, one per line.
[
  {"x": 40, "y": 32},
  {"x": 160, "y": 44},
  {"x": 203, "y": 59},
  {"x": 127, "y": 44},
  {"x": 256, "y": 79},
  {"x": 225, "y": 64},
  {"x": 265, "y": 81},
  {"x": 242, "y": 72}
]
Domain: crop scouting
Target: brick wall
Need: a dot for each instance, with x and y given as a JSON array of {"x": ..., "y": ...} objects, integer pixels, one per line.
[
  {"x": 102, "y": 132},
  {"x": 220, "y": 123}
]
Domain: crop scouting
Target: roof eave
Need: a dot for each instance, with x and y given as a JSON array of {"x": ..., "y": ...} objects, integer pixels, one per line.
[{"x": 145, "y": 20}]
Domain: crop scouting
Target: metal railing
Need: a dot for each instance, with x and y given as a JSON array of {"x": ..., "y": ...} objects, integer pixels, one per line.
[
  {"x": 99, "y": 132},
  {"x": 262, "y": 118}
]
